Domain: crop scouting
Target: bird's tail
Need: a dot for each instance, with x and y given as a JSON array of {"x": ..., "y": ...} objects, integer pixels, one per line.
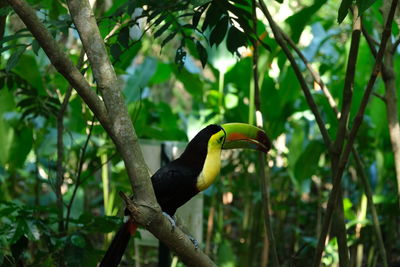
[{"x": 118, "y": 245}]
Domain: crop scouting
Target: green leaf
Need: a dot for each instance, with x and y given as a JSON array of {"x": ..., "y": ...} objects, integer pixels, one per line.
[
  {"x": 197, "y": 15},
  {"x": 307, "y": 163},
  {"x": 218, "y": 33},
  {"x": 139, "y": 79},
  {"x": 13, "y": 60},
  {"x": 235, "y": 39},
  {"x": 115, "y": 51},
  {"x": 21, "y": 147},
  {"x": 197, "y": 3},
  {"x": 191, "y": 81},
  {"x": 213, "y": 15},
  {"x": 162, "y": 29},
  {"x": 168, "y": 38},
  {"x": 4, "y": 11},
  {"x": 123, "y": 37},
  {"x": 202, "y": 53},
  {"x": 78, "y": 240},
  {"x": 13, "y": 37},
  {"x": 298, "y": 21},
  {"x": 344, "y": 10},
  {"x": 35, "y": 47},
  {"x": 162, "y": 73},
  {"x": 33, "y": 76},
  {"x": 363, "y": 5}
]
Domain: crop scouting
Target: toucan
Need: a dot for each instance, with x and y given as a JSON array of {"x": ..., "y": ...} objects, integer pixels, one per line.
[{"x": 194, "y": 171}]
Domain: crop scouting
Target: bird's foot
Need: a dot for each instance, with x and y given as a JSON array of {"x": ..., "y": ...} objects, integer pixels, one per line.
[
  {"x": 171, "y": 220},
  {"x": 195, "y": 242}
]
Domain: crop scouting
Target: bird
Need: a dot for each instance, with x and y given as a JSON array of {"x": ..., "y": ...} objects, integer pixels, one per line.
[{"x": 194, "y": 171}]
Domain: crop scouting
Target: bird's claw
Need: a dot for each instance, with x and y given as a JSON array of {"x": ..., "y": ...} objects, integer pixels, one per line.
[
  {"x": 195, "y": 242},
  {"x": 171, "y": 220}
]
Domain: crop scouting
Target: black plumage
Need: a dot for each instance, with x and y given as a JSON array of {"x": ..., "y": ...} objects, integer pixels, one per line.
[{"x": 175, "y": 183}]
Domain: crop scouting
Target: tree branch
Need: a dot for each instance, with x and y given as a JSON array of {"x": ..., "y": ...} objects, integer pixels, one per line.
[
  {"x": 395, "y": 45},
  {"x": 78, "y": 179}
]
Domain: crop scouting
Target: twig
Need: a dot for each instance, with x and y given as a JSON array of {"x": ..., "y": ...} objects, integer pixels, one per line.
[
  {"x": 370, "y": 41},
  {"x": 303, "y": 84},
  {"x": 314, "y": 74},
  {"x": 261, "y": 156},
  {"x": 60, "y": 151},
  {"x": 356, "y": 125},
  {"x": 78, "y": 174},
  {"x": 395, "y": 45},
  {"x": 381, "y": 97},
  {"x": 368, "y": 192}
]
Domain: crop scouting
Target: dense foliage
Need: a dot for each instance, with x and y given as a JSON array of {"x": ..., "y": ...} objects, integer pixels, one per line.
[{"x": 183, "y": 65}]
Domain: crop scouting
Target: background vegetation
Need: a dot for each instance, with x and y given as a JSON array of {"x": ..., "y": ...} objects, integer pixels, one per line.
[{"x": 182, "y": 65}]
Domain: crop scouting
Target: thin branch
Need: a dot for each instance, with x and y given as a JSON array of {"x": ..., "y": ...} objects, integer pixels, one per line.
[
  {"x": 60, "y": 151},
  {"x": 370, "y": 41},
  {"x": 317, "y": 78},
  {"x": 368, "y": 192},
  {"x": 78, "y": 174},
  {"x": 381, "y": 97},
  {"x": 303, "y": 84},
  {"x": 395, "y": 45},
  {"x": 356, "y": 125},
  {"x": 261, "y": 156},
  {"x": 60, "y": 160}
]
